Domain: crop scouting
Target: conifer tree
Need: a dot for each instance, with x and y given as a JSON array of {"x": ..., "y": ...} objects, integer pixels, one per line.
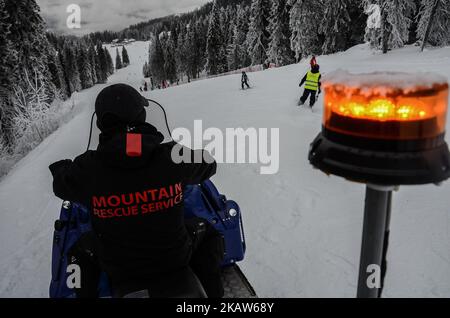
[
  {"x": 118, "y": 60},
  {"x": 57, "y": 72},
  {"x": 156, "y": 59},
  {"x": 28, "y": 39},
  {"x": 170, "y": 66},
  {"x": 109, "y": 63},
  {"x": 84, "y": 67},
  {"x": 258, "y": 34},
  {"x": 125, "y": 57},
  {"x": 433, "y": 23},
  {"x": 102, "y": 74},
  {"x": 396, "y": 17},
  {"x": 7, "y": 54},
  {"x": 279, "y": 51},
  {"x": 215, "y": 50},
  {"x": 8, "y": 60},
  {"x": 305, "y": 19},
  {"x": 336, "y": 25},
  {"x": 94, "y": 63},
  {"x": 71, "y": 69}
]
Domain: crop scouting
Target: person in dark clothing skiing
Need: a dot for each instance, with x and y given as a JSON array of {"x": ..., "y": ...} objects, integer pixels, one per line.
[
  {"x": 244, "y": 80},
  {"x": 134, "y": 191},
  {"x": 312, "y": 86}
]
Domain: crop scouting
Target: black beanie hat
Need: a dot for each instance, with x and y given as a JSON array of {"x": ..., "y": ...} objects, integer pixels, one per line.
[{"x": 119, "y": 105}]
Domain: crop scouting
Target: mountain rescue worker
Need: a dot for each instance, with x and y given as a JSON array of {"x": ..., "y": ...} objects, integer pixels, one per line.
[
  {"x": 312, "y": 85},
  {"x": 134, "y": 191},
  {"x": 244, "y": 80}
]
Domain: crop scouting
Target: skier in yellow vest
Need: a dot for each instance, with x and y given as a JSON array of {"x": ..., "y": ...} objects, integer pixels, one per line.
[{"x": 312, "y": 85}]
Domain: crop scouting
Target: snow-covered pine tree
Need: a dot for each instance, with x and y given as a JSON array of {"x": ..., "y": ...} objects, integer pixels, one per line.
[
  {"x": 336, "y": 25},
  {"x": 304, "y": 20},
  {"x": 225, "y": 19},
  {"x": 234, "y": 51},
  {"x": 102, "y": 74},
  {"x": 170, "y": 65},
  {"x": 279, "y": 51},
  {"x": 94, "y": 63},
  {"x": 215, "y": 51},
  {"x": 433, "y": 23},
  {"x": 71, "y": 69},
  {"x": 146, "y": 70},
  {"x": 399, "y": 17},
  {"x": 109, "y": 63},
  {"x": 7, "y": 78},
  {"x": 258, "y": 34},
  {"x": 28, "y": 39},
  {"x": 62, "y": 60},
  {"x": 181, "y": 53},
  {"x": 243, "y": 24},
  {"x": 201, "y": 32},
  {"x": 118, "y": 60},
  {"x": 232, "y": 13},
  {"x": 225, "y": 22},
  {"x": 125, "y": 57},
  {"x": 396, "y": 17},
  {"x": 373, "y": 32},
  {"x": 195, "y": 49},
  {"x": 7, "y": 54},
  {"x": 84, "y": 66},
  {"x": 156, "y": 58},
  {"x": 57, "y": 72}
]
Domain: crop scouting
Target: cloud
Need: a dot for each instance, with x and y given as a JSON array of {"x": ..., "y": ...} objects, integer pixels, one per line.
[{"x": 114, "y": 15}]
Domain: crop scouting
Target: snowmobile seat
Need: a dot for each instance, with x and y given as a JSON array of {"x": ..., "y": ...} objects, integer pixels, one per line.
[{"x": 181, "y": 284}]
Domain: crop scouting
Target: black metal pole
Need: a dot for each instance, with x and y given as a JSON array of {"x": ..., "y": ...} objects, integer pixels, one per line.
[{"x": 374, "y": 243}]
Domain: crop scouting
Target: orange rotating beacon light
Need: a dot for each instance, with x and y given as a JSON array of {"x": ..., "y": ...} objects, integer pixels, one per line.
[{"x": 384, "y": 130}]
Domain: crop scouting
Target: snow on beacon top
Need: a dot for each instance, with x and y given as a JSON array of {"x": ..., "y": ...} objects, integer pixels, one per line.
[{"x": 385, "y": 82}]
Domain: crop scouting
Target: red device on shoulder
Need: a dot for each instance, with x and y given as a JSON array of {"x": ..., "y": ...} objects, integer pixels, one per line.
[{"x": 134, "y": 145}]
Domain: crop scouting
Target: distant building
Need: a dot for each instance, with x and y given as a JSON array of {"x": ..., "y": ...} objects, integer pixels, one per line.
[{"x": 117, "y": 42}]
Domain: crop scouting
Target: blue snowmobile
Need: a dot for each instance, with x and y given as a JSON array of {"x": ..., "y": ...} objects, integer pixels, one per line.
[{"x": 201, "y": 201}]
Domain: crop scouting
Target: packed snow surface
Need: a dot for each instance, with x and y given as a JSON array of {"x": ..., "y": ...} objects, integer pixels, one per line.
[{"x": 303, "y": 228}]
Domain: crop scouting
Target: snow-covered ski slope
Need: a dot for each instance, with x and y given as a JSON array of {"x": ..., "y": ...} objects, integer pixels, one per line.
[{"x": 303, "y": 228}]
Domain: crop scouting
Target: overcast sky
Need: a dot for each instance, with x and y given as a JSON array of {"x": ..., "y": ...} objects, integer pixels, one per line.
[{"x": 100, "y": 15}]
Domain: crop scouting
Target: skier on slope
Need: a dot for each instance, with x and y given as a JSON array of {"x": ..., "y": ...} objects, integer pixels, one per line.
[
  {"x": 244, "y": 80},
  {"x": 133, "y": 189},
  {"x": 312, "y": 85}
]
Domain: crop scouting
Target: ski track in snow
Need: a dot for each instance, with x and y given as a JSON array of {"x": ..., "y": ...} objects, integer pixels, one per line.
[{"x": 303, "y": 228}]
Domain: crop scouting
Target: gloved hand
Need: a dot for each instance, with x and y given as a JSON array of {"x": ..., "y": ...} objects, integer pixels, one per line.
[{"x": 320, "y": 91}]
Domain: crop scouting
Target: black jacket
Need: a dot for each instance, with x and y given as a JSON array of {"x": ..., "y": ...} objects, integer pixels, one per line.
[{"x": 136, "y": 202}]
